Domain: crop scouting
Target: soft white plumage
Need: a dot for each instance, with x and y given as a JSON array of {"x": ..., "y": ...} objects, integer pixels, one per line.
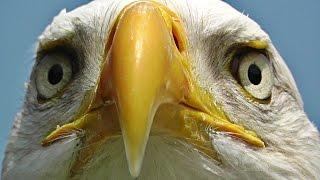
[{"x": 212, "y": 26}]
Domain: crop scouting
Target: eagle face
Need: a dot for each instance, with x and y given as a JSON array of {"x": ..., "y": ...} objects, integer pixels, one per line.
[{"x": 160, "y": 90}]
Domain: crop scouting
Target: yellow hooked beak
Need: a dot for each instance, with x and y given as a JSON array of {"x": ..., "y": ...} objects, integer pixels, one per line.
[{"x": 148, "y": 83}]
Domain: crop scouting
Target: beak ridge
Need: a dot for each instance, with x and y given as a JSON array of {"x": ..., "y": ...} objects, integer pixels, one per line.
[{"x": 140, "y": 54}]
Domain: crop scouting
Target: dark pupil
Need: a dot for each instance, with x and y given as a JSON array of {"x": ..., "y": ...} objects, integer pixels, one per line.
[
  {"x": 254, "y": 74},
  {"x": 55, "y": 74}
]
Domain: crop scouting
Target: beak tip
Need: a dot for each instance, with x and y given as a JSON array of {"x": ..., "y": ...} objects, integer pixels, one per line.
[
  {"x": 135, "y": 152},
  {"x": 135, "y": 169},
  {"x": 135, "y": 166}
]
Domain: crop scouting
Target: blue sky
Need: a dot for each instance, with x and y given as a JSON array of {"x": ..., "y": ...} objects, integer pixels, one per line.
[{"x": 294, "y": 27}]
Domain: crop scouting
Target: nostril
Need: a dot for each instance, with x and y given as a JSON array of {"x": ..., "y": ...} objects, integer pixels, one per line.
[
  {"x": 176, "y": 41},
  {"x": 178, "y": 36}
]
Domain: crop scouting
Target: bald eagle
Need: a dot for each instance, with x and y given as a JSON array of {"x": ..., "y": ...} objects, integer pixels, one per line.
[{"x": 124, "y": 89}]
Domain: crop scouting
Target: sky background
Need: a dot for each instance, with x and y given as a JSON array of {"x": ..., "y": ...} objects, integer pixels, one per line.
[{"x": 293, "y": 26}]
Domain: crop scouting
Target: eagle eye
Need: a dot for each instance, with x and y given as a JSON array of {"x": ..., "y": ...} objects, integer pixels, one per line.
[
  {"x": 253, "y": 71},
  {"x": 53, "y": 73}
]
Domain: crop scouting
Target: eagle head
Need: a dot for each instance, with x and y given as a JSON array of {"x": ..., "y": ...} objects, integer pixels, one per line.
[{"x": 167, "y": 89}]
